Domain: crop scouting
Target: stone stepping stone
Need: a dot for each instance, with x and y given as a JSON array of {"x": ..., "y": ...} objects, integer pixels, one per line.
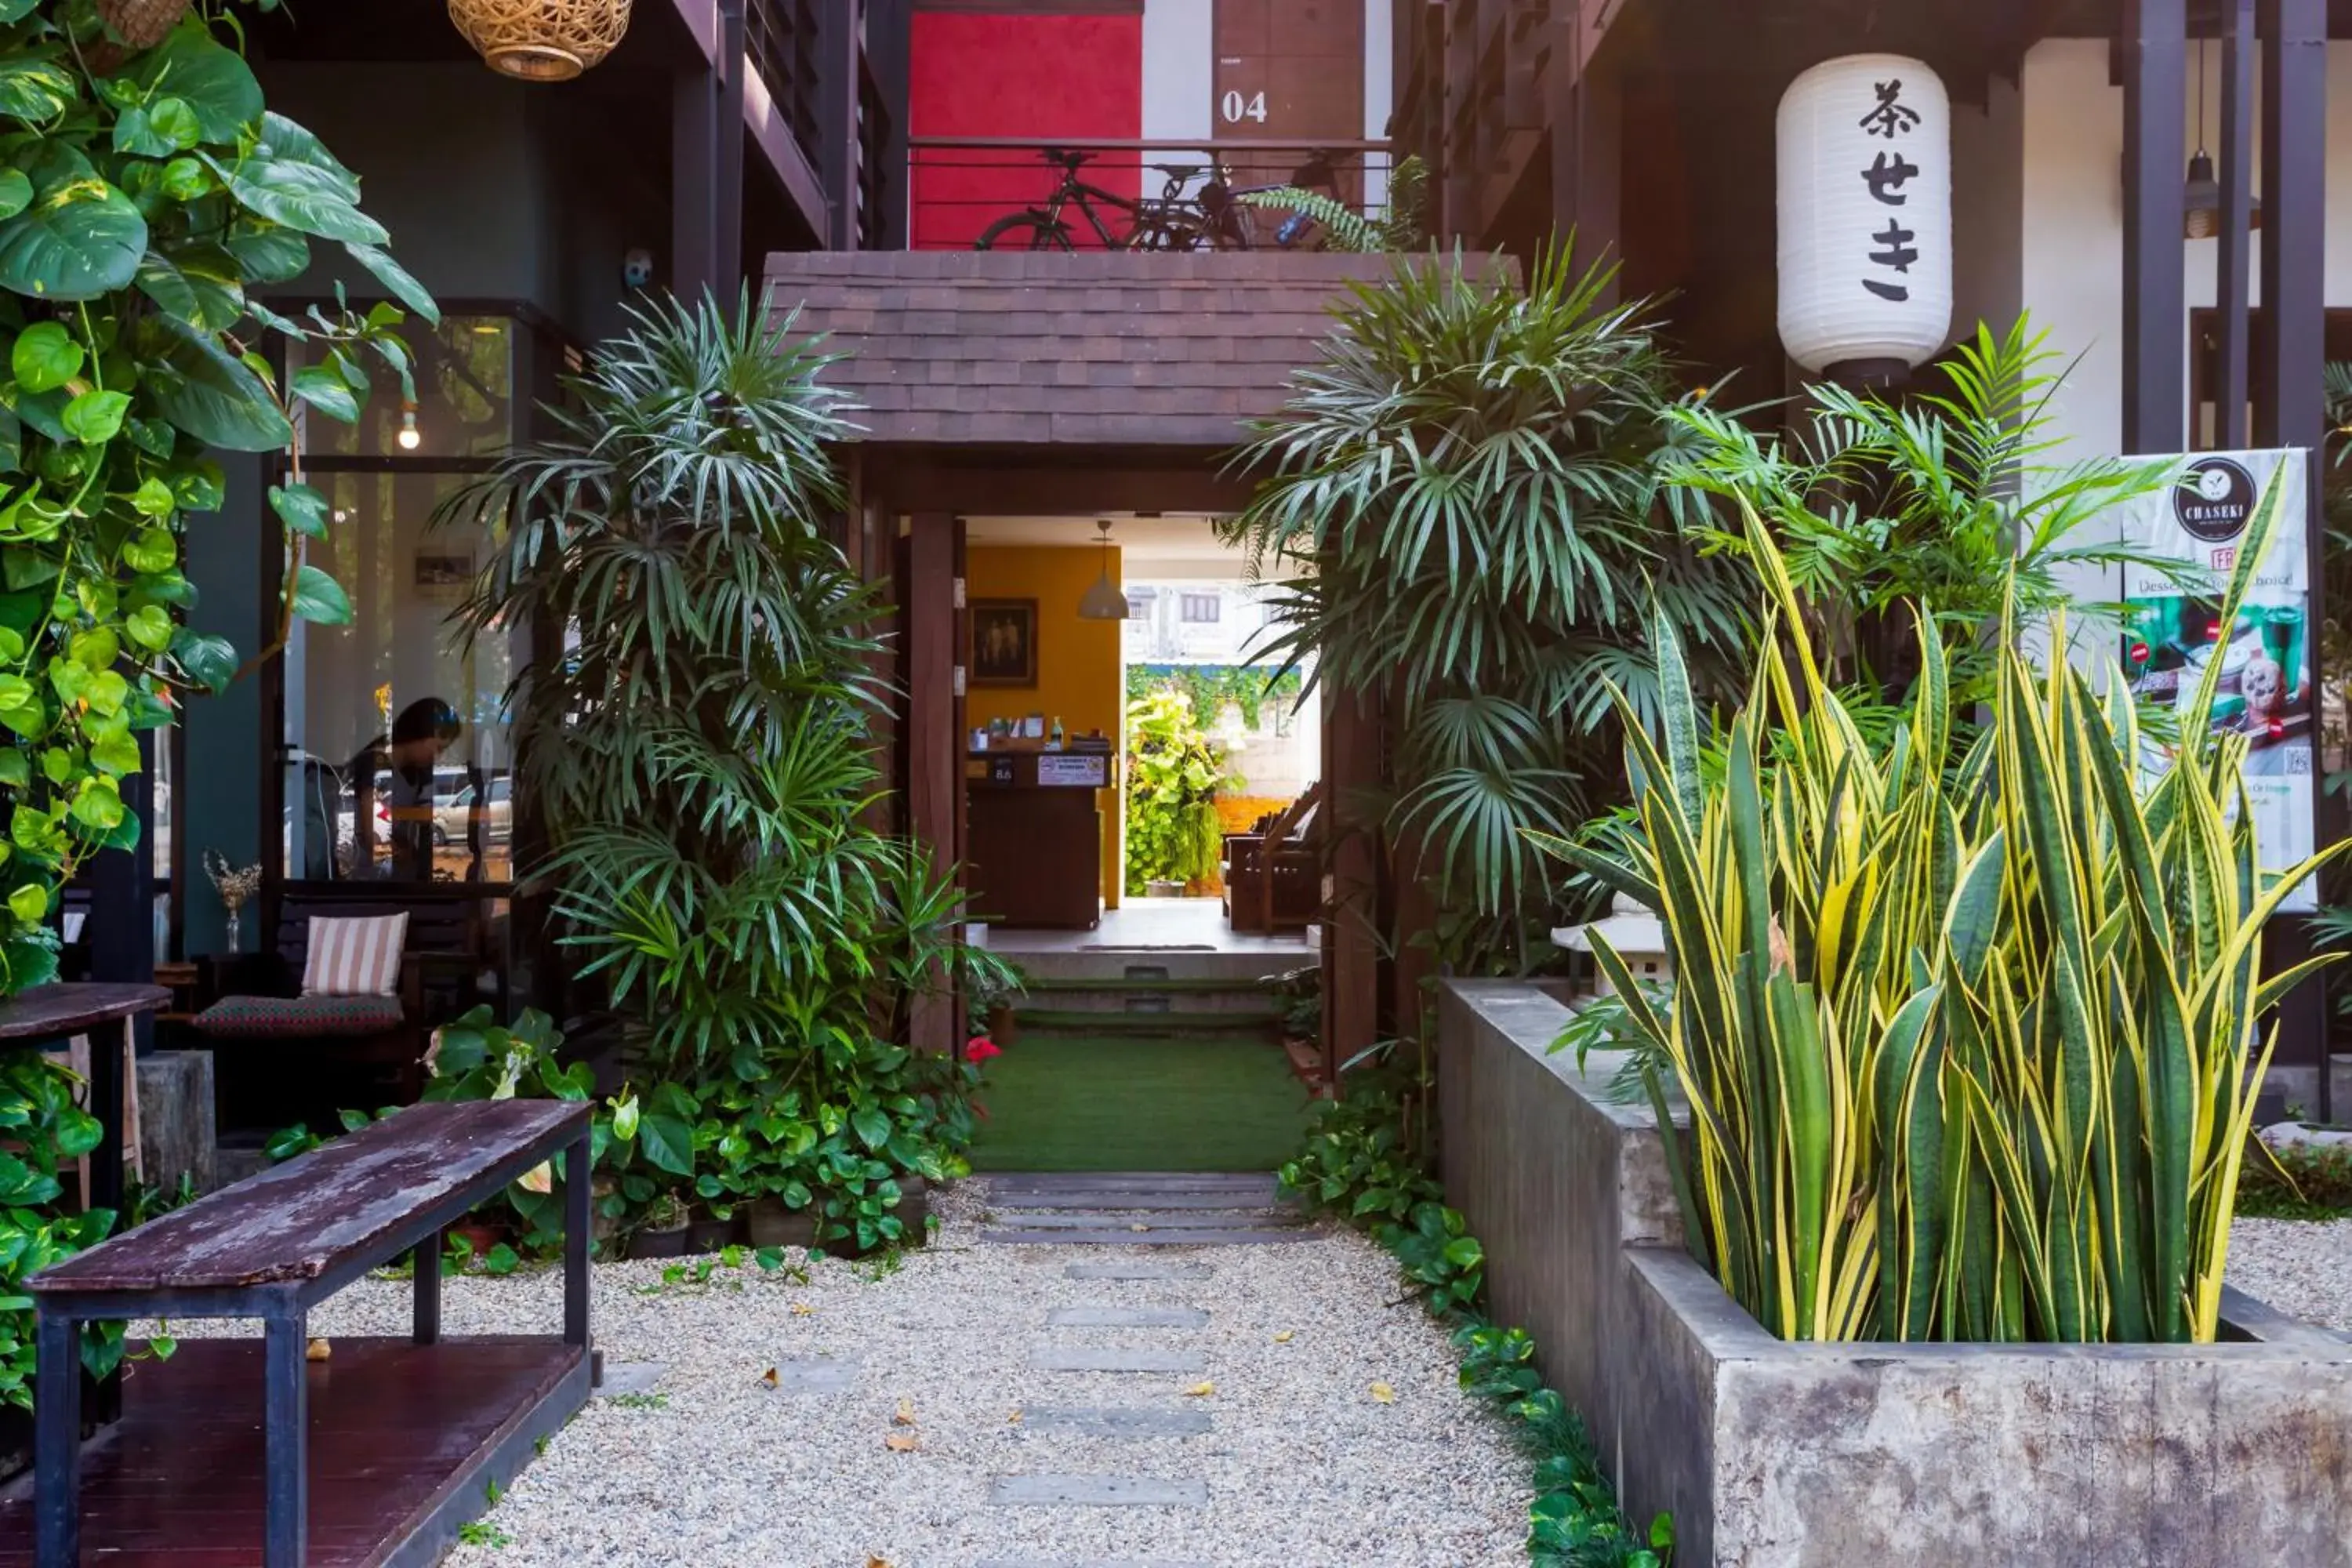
[
  {"x": 1116, "y": 1423},
  {"x": 1085, "y": 1562},
  {"x": 1032, "y": 1237},
  {"x": 1096, "y": 1492},
  {"x": 1127, "y": 1318},
  {"x": 621, "y": 1377},
  {"x": 1088, "y": 1358},
  {"x": 1157, "y": 1219},
  {"x": 816, "y": 1375},
  {"x": 1113, "y": 1198},
  {"x": 1137, "y": 1271}
]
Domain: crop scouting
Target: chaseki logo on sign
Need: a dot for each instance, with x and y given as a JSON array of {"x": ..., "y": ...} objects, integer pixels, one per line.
[{"x": 2215, "y": 501}]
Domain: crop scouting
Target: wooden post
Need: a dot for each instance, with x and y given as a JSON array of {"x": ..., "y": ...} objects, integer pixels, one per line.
[
  {"x": 694, "y": 182},
  {"x": 2289, "y": 405},
  {"x": 2238, "y": 52},
  {"x": 2155, "y": 290},
  {"x": 727, "y": 167},
  {"x": 1351, "y": 921},
  {"x": 838, "y": 79},
  {"x": 934, "y": 779}
]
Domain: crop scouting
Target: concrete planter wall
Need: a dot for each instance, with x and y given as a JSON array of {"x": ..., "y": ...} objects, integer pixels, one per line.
[{"x": 1772, "y": 1455}]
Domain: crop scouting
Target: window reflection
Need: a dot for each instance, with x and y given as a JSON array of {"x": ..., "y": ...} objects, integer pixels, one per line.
[{"x": 398, "y": 755}]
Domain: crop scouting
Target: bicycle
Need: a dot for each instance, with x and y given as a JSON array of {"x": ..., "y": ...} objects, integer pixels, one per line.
[{"x": 1173, "y": 221}]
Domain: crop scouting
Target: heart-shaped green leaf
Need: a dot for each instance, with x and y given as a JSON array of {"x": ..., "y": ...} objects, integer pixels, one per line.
[
  {"x": 320, "y": 598},
  {"x": 80, "y": 238},
  {"x": 212, "y": 80},
  {"x": 213, "y": 396},
  {"x": 95, "y": 417},
  {"x": 302, "y": 197},
  {"x": 44, "y": 357}
]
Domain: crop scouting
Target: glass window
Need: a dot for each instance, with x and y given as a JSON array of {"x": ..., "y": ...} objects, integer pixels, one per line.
[
  {"x": 402, "y": 749},
  {"x": 1140, "y": 603},
  {"x": 1204, "y": 609},
  {"x": 465, "y": 397},
  {"x": 399, "y": 760}
]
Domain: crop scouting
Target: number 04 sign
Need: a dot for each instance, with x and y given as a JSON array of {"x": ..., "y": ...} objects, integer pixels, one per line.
[
  {"x": 1237, "y": 106},
  {"x": 2268, "y": 692}
]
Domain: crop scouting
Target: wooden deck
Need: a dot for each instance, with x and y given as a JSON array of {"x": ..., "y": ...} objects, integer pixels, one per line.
[{"x": 404, "y": 1440}]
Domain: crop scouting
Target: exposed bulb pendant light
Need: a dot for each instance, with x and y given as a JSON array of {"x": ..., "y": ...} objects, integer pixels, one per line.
[{"x": 1104, "y": 602}]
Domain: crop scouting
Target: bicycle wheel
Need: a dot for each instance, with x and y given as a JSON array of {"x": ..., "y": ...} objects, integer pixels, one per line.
[{"x": 1023, "y": 231}]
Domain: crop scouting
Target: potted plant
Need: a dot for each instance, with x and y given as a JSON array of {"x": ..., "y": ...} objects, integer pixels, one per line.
[{"x": 663, "y": 1233}]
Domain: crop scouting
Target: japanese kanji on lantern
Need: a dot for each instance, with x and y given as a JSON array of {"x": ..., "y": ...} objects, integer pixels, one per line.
[{"x": 1865, "y": 201}]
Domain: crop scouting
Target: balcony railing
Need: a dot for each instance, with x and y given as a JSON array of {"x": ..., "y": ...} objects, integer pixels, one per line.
[{"x": 1095, "y": 193}]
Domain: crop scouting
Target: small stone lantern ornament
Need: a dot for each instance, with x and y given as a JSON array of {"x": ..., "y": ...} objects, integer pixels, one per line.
[
  {"x": 541, "y": 40},
  {"x": 1635, "y": 934}
]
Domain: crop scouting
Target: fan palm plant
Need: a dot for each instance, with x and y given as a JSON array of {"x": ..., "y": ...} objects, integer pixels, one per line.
[
  {"x": 699, "y": 750},
  {"x": 1469, "y": 493}
]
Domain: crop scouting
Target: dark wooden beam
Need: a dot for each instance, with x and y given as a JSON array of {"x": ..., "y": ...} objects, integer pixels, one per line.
[
  {"x": 1046, "y": 482},
  {"x": 2237, "y": 53},
  {"x": 2290, "y": 407},
  {"x": 934, "y": 748},
  {"x": 838, "y": 75},
  {"x": 1351, "y": 931},
  {"x": 727, "y": 167},
  {"x": 694, "y": 182},
  {"x": 2156, "y": 301}
]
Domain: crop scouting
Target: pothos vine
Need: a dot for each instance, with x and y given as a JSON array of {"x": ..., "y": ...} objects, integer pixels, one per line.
[{"x": 144, "y": 193}]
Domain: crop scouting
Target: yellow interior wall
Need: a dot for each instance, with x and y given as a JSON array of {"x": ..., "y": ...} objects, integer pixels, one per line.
[{"x": 1078, "y": 675}]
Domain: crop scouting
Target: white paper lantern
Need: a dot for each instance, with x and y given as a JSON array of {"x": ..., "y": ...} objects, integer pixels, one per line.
[{"x": 1865, "y": 178}]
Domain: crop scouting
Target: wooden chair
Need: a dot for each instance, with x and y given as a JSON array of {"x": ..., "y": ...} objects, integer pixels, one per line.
[
  {"x": 1274, "y": 877},
  {"x": 281, "y": 1056}
]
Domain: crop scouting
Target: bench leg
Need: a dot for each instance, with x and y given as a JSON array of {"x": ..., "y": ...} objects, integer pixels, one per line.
[
  {"x": 56, "y": 1444},
  {"x": 287, "y": 1418},
  {"x": 578, "y": 1177},
  {"x": 426, "y": 1265}
]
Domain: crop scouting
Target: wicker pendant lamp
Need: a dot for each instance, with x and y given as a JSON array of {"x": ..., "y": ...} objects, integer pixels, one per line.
[
  {"x": 541, "y": 40},
  {"x": 140, "y": 24}
]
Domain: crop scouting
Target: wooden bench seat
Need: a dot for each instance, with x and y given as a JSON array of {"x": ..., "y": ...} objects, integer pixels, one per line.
[{"x": 275, "y": 1245}]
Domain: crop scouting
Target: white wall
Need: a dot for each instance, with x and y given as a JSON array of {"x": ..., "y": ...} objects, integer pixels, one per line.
[{"x": 1179, "y": 72}]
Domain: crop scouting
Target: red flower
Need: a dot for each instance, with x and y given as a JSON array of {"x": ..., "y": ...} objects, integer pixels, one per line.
[{"x": 980, "y": 1048}]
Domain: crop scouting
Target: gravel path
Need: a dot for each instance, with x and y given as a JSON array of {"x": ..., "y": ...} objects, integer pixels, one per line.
[
  {"x": 1303, "y": 1460},
  {"x": 2303, "y": 1268}
]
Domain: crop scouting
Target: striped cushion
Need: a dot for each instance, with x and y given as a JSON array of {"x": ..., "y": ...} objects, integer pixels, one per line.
[
  {"x": 298, "y": 1017},
  {"x": 355, "y": 957}
]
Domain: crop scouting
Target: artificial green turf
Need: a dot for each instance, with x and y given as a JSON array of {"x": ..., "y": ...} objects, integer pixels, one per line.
[{"x": 1078, "y": 1102}]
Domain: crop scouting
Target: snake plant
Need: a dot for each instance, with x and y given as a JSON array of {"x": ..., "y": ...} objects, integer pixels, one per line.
[{"x": 1969, "y": 1028}]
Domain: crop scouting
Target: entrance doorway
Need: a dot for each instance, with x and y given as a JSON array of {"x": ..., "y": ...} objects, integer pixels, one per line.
[{"x": 1129, "y": 749}]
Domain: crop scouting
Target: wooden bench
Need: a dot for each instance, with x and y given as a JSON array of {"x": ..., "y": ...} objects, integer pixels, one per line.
[{"x": 275, "y": 1245}]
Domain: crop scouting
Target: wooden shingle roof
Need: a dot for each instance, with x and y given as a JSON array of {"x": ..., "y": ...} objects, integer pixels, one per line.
[{"x": 1089, "y": 348}]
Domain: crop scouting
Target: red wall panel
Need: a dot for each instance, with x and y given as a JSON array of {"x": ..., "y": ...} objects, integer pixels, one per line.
[{"x": 1035, "y": 77}]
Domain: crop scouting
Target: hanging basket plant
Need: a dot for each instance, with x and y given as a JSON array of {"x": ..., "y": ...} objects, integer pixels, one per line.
[
  {"x": 132, "y": 26},
  {"x": 541, "y": 40}
]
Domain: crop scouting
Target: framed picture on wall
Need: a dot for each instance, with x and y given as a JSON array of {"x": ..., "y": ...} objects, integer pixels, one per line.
[
  {"x": 442, "y": 576},
  {"x": 1003, "y": 643}
]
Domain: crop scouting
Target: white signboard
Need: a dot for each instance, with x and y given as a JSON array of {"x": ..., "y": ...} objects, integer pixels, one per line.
[
  {"x": 2269, "y": 692},
  {"x": 1068, "y": 770}
]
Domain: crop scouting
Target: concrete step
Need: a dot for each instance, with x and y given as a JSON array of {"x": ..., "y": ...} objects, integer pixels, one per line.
[
  {"x": 1174, "y": 1025},
  {"x": 1200, "y": 994},
  {"x": 1161, "y": 963}
]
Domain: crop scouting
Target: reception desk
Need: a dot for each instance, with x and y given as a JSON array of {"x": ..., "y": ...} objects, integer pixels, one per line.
[{"x": 1032, "y": 836}]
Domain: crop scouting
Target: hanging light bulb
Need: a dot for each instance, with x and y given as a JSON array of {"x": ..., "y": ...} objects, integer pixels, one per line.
[
  {"x": 2202, "y": 214},
  {"x": 410, "y": 439},
  {"x": 1104, "y": 602}
]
